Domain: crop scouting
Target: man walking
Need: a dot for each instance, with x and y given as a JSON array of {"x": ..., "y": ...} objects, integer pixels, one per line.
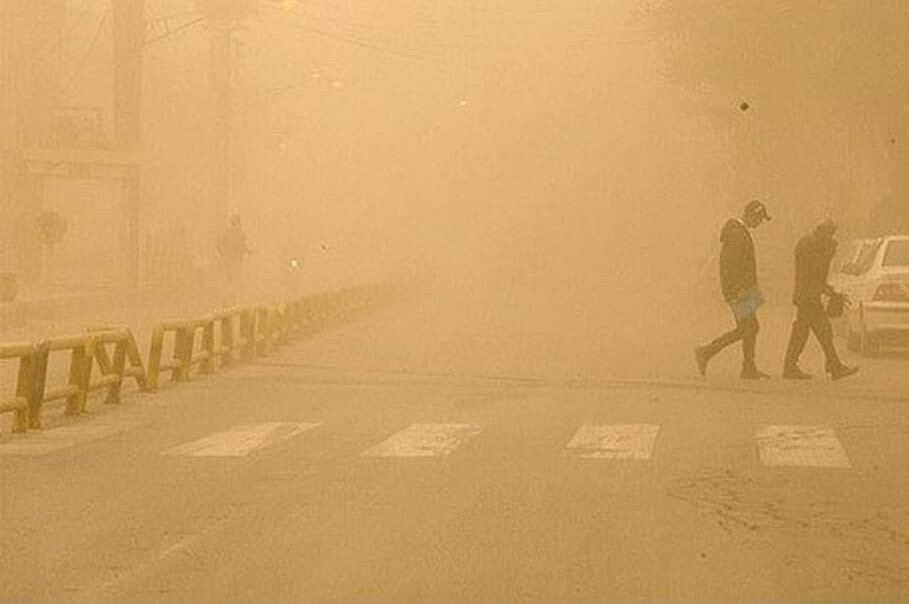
[
  {"x": 812, "y": 267},
  {"x": 233, "y": 248},
  {"x": 738, "y": 277}
]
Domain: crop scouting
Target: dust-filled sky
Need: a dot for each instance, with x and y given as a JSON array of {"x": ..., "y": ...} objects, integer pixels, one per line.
[
  {"x": 534, "y": 140},
  {"x": 556, "y": 142},
  {"x": 578, "y": 150}
]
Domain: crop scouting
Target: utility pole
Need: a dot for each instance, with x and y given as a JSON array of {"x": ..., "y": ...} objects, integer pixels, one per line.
[
  {"x": 129, "y": 42},
  {"x": 224, "y": 18},
  {"x": 222, "y": 68}
]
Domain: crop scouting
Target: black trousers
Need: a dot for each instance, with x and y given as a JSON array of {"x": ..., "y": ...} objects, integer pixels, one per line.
[
  {"x": 745, "y": 330},
  {"x": 812, "y": 318}
]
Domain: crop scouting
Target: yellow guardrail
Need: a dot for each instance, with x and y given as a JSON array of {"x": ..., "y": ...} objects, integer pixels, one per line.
[
  {"x": 79, "y": 348},
  {"x": 201, "y": 330},
  {"x": 20, "y": 404},
  {"x": 114, "y": 370},
  {"x": 205, "y": 344},
  {"x": 156, "y": 362},
  {"x": 229, "y": 337}
]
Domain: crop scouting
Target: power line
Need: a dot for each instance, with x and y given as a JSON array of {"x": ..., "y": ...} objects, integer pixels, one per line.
[
  {"x": 170, "y": 33},
  {"x": 484, "y": 10},
  {"x": 353, "y": 33},
  {"x": 446, "y": 22},
  {"x": 176, "y": 15},
  {"x": 405, "y": 54}
]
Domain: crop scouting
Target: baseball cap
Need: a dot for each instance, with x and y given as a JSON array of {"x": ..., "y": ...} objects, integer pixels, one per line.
[{"x": 757, "y": 209}]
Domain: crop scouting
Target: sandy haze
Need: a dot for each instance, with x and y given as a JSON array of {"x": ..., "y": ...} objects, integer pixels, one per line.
[
  {"x": 570, "y": 160},
  {"x": 537, "y": 422}
]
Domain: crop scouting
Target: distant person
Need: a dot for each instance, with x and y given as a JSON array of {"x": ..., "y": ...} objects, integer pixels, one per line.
[
  {"x": 738, "y": 278},
  {"x": 812, "y": 267},
  {"x": 233, "y": 249}
]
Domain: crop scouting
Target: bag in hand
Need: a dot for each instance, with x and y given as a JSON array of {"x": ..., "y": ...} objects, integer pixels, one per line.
[{"x": 836, "y": 306}]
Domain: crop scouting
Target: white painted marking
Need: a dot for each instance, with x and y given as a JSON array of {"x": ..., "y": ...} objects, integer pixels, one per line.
[
  {"x": 424, "y": 440},
  {"x": 242, "y": 440},
  {"x": 42, "y": 442},
  {"x": 800, "y": 446},
  {"x": 621, "y": 441}
]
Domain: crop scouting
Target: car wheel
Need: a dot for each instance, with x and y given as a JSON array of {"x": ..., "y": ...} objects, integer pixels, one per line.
[{"x": 869, "y": 342}]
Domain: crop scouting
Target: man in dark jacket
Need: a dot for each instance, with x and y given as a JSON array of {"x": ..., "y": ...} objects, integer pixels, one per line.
[
  {"x": 812, "y": 267},
  {"x": 738, "y": 277},
  {"x": 233, "y": 248}
]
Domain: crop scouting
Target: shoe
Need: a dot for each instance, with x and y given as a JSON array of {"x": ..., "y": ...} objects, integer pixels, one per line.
[
  {"x": 794, "y": 373},
  {"x": 754, "y": 374},
  {"x": 700, "y": 355},
  {"x": 843, "y": 371}
]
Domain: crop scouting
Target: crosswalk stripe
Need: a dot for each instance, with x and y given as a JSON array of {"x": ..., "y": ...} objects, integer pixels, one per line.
[
  {"x": 618, "y": 441},
  {"x": 47, "y": 441},
  {"x": 241, "y": 441},
  {"x": 808, "y": 446},
  {"x": 778, "y": 445},
  {"x": 424, "y": 440}
]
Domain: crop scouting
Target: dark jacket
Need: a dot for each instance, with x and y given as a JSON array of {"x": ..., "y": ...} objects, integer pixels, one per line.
[
  {"x": 738, "y": 262},
  {"x": 812, "y": 268},
  {"x": 232, "y": 245}
]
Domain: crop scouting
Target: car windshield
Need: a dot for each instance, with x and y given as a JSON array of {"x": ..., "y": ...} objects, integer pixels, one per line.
[
  {"x": 846, "y": 256},
  {"x": 866, "y": 257},
  {"x": 897, "y": 253}
]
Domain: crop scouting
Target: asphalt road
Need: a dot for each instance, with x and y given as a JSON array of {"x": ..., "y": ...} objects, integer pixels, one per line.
[{"x": 406, "y": 458}]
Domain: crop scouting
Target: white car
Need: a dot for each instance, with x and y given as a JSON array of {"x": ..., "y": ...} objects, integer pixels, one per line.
[{"x": 874, "y": 273}]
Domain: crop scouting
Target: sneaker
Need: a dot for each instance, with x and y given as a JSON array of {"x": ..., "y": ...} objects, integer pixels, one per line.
[
  {"x": 754, "y": 374},
  {"x": 795, "y": 373},
  {"x": 843, "y": 371},
  {"x": 700, "y": 355}
]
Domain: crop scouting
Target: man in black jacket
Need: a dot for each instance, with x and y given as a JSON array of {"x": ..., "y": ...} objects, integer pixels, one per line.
[
  {"x": 812, "y": 267},
  {"x": 738, "y": 277}
]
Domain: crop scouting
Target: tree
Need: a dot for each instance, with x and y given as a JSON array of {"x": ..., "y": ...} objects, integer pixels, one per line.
[{"x": 825, "y": 82}]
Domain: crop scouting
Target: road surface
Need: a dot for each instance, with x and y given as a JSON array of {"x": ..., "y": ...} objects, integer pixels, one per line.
[{"x": 409, "y": 457}]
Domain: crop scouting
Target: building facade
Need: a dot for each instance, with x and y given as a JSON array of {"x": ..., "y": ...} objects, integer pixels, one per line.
[{"x": 30, "y": 66}]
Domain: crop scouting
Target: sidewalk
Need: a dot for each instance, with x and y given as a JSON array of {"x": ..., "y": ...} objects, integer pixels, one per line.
[
  {"x": 61, "y": 313},
  {"x": 15, "y": 316}
]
